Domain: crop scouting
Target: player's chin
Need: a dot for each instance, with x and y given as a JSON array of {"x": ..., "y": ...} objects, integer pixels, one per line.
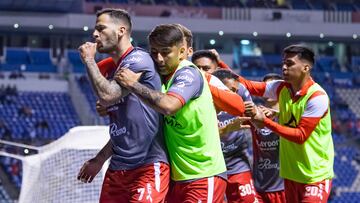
[
  {"x": 163, "y": 71},
  {"x": 101, "y": 49}
]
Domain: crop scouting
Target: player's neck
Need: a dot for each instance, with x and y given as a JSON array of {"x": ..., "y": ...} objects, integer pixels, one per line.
[
  {"x": 121, "y": 49},
  {"x": 298, "y": 85}
]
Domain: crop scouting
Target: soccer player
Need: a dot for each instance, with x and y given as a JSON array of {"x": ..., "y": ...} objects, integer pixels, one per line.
[
  {"x": 139, "y": 170},
  {"x": 240, "y": 184},
  {"x": 224, "y": 99},
  {"x": 191, "y": 132},
  {"x": 304, "y": 126},
  {"x": 268, "y": 183}
]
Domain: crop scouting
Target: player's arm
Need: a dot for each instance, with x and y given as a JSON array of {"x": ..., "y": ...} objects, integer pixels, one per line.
[
  {"x": 221, "y": 64},
  {"x": 108, "y": 91},
  {"x": 164, "y": 103},
  {"x": 186, "y": 85},
  {"x": 223, "y": 98},
  {"x": 314, "y": 111},
  {"x": 92, "y": 167},
  {"x": 100, "y": 109}
]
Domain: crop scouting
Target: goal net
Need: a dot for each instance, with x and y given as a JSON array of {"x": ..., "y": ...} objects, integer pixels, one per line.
[{"x": 51, "y": 175}]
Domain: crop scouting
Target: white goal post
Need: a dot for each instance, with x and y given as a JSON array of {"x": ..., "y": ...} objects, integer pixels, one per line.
[{"x": 51, "y": 175}]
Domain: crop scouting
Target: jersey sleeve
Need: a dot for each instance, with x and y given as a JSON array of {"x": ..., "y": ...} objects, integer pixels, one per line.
[
  {"x": 187, "y": 84},
  {"x": 214, "y": 81},
  {"x": 263, "y": 89},
  {"x": 244, "y": 93},
  {"x": 227, "y": 101},
  {"x": 223, "y": 65},
  {"x": 141, "y": 62},
  {"x": 223, "y": 98}
]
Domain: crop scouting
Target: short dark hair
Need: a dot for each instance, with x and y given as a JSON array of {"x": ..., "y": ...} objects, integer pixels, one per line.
[
  {"x": 271, "y": 76},
  {"x": 166, "y": 35},
  {"x": 187, "y": 34},
  {"x": 302, "y": 51},
  {"x": 225, "y": 74},
  {"x": 116, "y": 13},
  {"x": 204, "y": 53}
]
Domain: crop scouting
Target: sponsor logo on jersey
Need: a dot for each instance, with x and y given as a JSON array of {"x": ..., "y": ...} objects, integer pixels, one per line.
[
  {"x": 132, "y": 59},
  {"x": 267, "y": 164},
  {"x": 268, "y": 145},
  {"x": 224, "y": 123},
  {"x": 116, "y": 131},
  {"x": 185, "y": 78},
  {"x": 181, "y": 84},
  {"x": 171, "y": 120},
  {"x": 188, "y": 71},
  {"x": 228, "y": 148}
]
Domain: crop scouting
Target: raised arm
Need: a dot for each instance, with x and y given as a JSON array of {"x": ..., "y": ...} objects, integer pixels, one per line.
[{"x": 108, "y": 91}]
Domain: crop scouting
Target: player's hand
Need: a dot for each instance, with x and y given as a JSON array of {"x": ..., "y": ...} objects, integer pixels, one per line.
[
  {"x": 270, "y": 113},
  {"x": 254, "y": 112},
  {"x": 250, "y": 109},
  {"x": 89, "y": 170},
  {"x": 127, "y": 78},
  {"x": 87, "y": 51},
  {"x": 216, "y": 54},
  {"x": 238, "y": 124},
  {"x": 100, "y": 109}
]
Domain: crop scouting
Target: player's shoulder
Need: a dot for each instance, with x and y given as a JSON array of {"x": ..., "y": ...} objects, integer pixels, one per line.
[
  {"x": 138, "y": 57},
  {"x": 190, "y": 70},
  {"x": 106, "y": 62},
  {"x": 106, "y": 65},
  {"x": 137, "y": 54},
  {"x": 187, "y": 73}
]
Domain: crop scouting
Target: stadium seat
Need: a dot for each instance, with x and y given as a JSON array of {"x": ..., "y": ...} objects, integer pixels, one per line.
[{"x": 17, "y": 56}]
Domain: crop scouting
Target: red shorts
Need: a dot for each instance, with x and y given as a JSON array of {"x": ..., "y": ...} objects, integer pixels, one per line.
[
  {"x": 313, "y": 192},
  {"x": 240, "y": 188},
  {"x": 271, "y": 197},
  {"x": 204, "y": 190},
  {"x": 148, "y": 183}
]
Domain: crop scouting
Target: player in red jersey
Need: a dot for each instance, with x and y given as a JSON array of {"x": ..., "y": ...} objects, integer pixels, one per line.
[{"x": 139, "y": 169}]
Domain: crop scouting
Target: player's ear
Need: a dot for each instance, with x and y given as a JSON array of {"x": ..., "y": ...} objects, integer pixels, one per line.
[
  {"x": 190, "y": 51},
  {"x": 183, "y": 54},
  {"x": 121, "y": 31},
  {"x": 307, "y": 68}
]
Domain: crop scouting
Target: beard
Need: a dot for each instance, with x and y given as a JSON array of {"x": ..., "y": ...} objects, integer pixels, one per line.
[
  {"x": 107, "y": 48},
  {"x": 109, "y": 45}
]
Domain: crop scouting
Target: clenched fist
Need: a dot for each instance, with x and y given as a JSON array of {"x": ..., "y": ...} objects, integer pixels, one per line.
[{"x": 87, "y": 51}]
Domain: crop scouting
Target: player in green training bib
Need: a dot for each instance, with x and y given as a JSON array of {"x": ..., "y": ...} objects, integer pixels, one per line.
[
  {"x": 306, "y": 146},
  {"x": 190, "y": 124}
]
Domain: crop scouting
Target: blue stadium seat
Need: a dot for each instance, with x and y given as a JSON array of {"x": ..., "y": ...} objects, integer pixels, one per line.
[
  {"x": 342, "y": 6},
  {"x": 328, "y": 64},
  {"x": 75, "y": 61},
  {"x": 17, "y": 56},
  {"x": 40, "y": 56},
  {"x": 300, "y": 4}
]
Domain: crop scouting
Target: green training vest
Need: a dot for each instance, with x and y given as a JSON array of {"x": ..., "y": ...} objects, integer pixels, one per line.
[
  {"x": 192, "y": 136},
  {"x": 313, "y": 160}
]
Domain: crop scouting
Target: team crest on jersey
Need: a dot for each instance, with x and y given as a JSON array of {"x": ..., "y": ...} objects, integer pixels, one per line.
[{"x": 264, "y": 131}]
